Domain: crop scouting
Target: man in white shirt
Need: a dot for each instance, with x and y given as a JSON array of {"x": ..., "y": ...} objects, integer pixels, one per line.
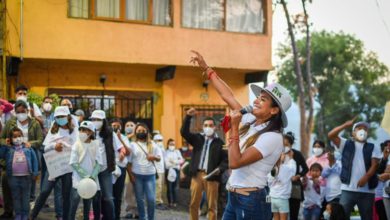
[{"x": 359, "y": 161}]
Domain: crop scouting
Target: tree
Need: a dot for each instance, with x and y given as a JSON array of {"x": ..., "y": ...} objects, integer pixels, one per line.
[
  {"x": 348, "y": 80},
  {"x": 303, "y": 81}
]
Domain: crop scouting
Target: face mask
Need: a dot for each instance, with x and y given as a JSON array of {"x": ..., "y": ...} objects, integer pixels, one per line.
[
  {"x": 361, "y": 135},
  {"x": 129, "y": 130},
  {"x": 287, "y": 149},
  {"x": 61, "y": 121},
  {"x": 83, "y": 137},
  {"x": 47, "y": 107},
  {"x": 326, "y": 215},
  {"x": 208, "y": 131},
  {"x": 184, "y": 148},
  {"x": 317, "y": 151},
  {"x": 98, "y": 124},
  {"x": 116, "y": 129},
  {"x": 17, "y": 141},
  {"x": 171, "y": 148},
  {"x": 21, "y": 116},
  {"x": 22, "y": 97},
  {"x": 141, "y": 136}
]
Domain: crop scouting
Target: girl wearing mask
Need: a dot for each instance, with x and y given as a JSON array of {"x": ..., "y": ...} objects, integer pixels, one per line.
[
  {"x": 22, "y": 167},
  {"x": 334, "y": 211},
  {"x": 254, "y": 148},
  {"x": 173, "y": 159},
  {"x": 60, "y": 138},
  {"x": 144, "y": 153},
  {"x": 280, "y": 185},
  {"x": 32, "y": 137},
  {"x": 86, "y": 162},
  {"x": 109, "y": 144},
  {"x": 319, "y": 155},
  {"x": 301, "y": 170}
]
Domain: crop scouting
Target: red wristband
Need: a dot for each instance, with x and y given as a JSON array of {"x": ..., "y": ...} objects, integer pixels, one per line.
[{"x": 210, "y": 74}]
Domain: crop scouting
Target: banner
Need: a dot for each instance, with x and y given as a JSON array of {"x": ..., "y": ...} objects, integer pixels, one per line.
[{"x": 58, "y": 162}]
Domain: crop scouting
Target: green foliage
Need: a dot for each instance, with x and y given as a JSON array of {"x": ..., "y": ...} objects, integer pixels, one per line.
[
  {"x": 38, "y": 99},
  {"x": 347, "y": 80}
]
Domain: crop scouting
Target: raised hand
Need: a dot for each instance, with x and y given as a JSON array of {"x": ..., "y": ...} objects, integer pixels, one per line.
[{"x": 197, "y": 59}]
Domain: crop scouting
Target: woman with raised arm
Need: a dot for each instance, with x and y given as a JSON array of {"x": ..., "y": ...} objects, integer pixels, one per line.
[{"x": 254, "y": 148}]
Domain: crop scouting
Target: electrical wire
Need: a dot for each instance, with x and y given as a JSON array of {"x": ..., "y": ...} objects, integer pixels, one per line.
[{"x": 382, "y": 18}]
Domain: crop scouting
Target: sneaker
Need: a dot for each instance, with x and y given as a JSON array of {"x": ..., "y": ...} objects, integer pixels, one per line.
[{"x": 91, "y": 216}]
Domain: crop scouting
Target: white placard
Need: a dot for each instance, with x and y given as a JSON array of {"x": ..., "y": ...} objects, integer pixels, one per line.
[{"x": 58, "y": 162}]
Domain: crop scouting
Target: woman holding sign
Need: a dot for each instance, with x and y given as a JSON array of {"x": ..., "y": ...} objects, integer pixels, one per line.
[{"x": 58, "y": 145}]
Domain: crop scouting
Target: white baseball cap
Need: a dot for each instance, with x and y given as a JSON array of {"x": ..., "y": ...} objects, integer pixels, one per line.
[
  {"x": 61, "y": 111},
  {"x": 360, "y": 123},
  {"x": 279, "y": 94},
  {"x": 88, "y": 125},
  {"x": 158, "y": 137},
  {"x": 99, "y": 114}
]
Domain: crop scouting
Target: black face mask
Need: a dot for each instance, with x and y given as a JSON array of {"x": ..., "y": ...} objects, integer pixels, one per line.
[{"x": 141, "y": 136}]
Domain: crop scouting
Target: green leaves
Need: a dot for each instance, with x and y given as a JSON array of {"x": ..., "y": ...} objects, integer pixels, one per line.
[{"x": 348, "y": 80}]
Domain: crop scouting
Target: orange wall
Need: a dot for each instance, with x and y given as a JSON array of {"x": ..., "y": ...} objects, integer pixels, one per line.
[
  {"x": 49, "y": 33},
  {"x": 185, "y": 88}
]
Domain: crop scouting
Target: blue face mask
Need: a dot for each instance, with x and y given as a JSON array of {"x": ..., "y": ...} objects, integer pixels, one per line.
[{"x": 61, "y": 121}]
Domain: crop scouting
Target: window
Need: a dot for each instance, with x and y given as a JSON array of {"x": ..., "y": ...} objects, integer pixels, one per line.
[
  {"x": 246, "y": 16},
  {"x": 156, "y": 12}
]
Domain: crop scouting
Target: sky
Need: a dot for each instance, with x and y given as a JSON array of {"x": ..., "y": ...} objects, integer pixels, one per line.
[{"x": 368, "y": 20}]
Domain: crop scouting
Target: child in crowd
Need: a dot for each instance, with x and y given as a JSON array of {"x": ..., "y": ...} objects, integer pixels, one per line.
[
  {"x": 21, "y": 167},
  {"x": 334, "y": 211},
  {"x": 313, "y": 191},
  {"x": 173, "y": 159},
  {"x": 280, "y": 186},
  {"x": 86, "y": 162}
]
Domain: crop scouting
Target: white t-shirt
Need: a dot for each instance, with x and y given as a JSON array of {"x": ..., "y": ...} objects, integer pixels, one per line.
[
  {"x": 140, "y": 165},
  {"x": 270, "y": 145},
  {"x": 160, "y": 164},
  {"x": 333, "y": 182},
  {"x": 24, "y": 129},
  {"x": 173, "y": 159},
  {"x": 358, "y": 167},
  {"x": 90, "y": 157},
  {"x": 124, "y": 162},
  {"x": 312, "y": 197},
  {"x": 280, "y": 186},
  {"x": 115, "y": 143}
]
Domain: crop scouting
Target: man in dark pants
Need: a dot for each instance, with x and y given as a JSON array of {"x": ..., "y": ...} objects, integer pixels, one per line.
[{"x": 207, "y": 156}]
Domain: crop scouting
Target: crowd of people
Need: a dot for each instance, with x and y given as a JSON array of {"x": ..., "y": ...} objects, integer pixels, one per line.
[{"x": 259, "y": 175}]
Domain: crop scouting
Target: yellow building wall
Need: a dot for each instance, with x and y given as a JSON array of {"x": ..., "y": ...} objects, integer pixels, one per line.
[
  {"x": 184, "y": 89},
  {"x": 49, "y": 33}
]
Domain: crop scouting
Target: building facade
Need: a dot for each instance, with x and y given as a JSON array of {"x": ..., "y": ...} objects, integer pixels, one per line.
[{"x": 131, "y": 58}]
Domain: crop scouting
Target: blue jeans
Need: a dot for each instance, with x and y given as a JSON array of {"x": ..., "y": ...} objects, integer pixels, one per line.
[
  {"x": 66, "y": 181},
  {"x": 20, "y": 187},
  {"x": 118, "y": 192},
  {"x": 107, "y": 198},
  {"x": 57, "y": 190},
  {"x": 253, "y": 206},
  {"x": 364, "y": 201},
  {"x": 86, "y": 203},
  {"x": 172, "y": 187},
  {"x": 312, "y": 213},
  {"x": 145, "y": 185}
]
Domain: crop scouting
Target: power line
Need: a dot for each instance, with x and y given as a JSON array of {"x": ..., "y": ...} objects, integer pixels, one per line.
[{"x": 382, "y": 18}]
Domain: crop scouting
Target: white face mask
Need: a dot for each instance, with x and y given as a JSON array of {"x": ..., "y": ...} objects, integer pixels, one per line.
[
  {"x": 171, "y": 148},
  {"x": 326, "y": 215},
  {"x": 17, "y": 141},
  {"x": 22, "y": 97},
  {"x": 184, "y": 148},
  {"x": 21, "y": 117},
  {"x": 98, "y": 124},
  {"x": 361, "y": 135},
  {"x": 47, "y": 107},
  {"x": 317, "y": 151},
  {"x": 83, "y": 137},
  {"x": 208, "y": 131},
  {"x": 287, "y": 149}
]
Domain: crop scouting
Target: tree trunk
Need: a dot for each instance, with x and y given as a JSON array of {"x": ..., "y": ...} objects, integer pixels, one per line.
[{"x": 300, "y": 84}]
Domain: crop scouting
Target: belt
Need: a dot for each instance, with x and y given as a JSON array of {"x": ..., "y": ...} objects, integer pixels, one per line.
[{"x": 243, "y": 191}]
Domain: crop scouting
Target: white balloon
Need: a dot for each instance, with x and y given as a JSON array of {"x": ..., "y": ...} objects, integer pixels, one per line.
[{"x": 87, "y": 188}]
